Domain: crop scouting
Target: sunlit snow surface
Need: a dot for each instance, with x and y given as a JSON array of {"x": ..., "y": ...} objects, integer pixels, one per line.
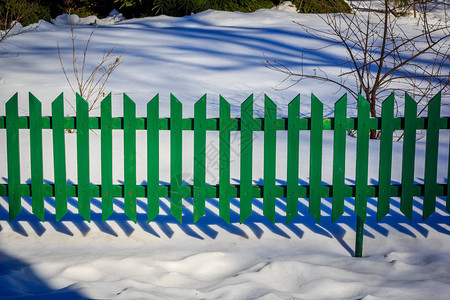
[{"x": 213, "y": 53}]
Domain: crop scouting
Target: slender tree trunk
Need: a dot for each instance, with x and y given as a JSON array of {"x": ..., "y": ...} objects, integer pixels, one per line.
[
  {"x": 373, "y": 114},
  {"x": 414, "y": 8}
]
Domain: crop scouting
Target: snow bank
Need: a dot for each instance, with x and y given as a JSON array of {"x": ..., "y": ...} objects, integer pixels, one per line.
[
  {"x": 66, "y": 19},
  {"x": 286, "y": 6}
]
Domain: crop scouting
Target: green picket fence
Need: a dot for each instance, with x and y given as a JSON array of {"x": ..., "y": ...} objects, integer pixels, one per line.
[{"x": 246, "y": 190}]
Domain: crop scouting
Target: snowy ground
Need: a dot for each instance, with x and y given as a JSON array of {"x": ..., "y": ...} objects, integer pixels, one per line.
[{"x": 214, "y": 53}]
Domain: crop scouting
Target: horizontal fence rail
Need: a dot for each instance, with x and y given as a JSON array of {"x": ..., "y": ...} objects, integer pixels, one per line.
[{"x": 246, "y": 190}]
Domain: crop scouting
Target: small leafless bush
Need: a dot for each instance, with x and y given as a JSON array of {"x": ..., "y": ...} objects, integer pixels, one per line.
[{"x": 89, "y": 84}]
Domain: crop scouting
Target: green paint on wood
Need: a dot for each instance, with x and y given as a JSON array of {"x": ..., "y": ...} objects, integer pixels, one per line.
[
  {"x": 37, "y": 172},
  {"x": 153, "y": 158},
  {"x": 362, "y": 158},
  {"x": 106, "y": 157},
  {"x": 340, "y": 135},
  {"x": 270, "y": 147},
  {"x": 431, "y": 156},
  {"x": 315, "y": 171},
  {"x": 176, "y": 147},
  {"x": 224, "y": 160},
  {"x": 82, "y": 124},
  {"x": 224, "y": 191},
  {"x": 387, "y": 130},
  {"x": 59, "y": 157},
  {"x": 199, "y": 158},
  {"x": 292, "y": 160},
  {"x": 409, "y": 153},
  {"x": 13, "y": 156},
  {"x": 129, "y": 136},
  {"x": 246, "y": 195},
  {"x": 359, "y": 236}
]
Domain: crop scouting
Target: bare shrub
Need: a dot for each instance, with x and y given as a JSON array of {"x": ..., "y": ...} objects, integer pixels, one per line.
[{"x": 89, "y": 84}]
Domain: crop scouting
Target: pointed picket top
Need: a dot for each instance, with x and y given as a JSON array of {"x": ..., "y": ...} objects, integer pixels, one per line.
[
  {"x": 199, "y": 158},
  {"x": 431, "y": 156},
  {"x": 247, "y": 110},
  {"x": 153, "y": 158},
  {"x": 13, "y": 156},
  {"x": 200, "y": 104},
  {"x": 295, "y": 102},
  {"x": 292, "y": 159},
  {"x": 246, "y": 188},
  {"x": 173, "y": 99},
  {"x": 339, "y": 145}
]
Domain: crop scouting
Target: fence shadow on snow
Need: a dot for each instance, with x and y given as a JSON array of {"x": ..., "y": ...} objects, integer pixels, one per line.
[{"x": 257, "y": 223}]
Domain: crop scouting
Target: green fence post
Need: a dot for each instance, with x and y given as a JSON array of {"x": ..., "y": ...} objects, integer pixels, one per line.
[
  {"x": 246, "y": 189},
  {"x": 59, "y": 157},
  {"x": 199, "y": 158},
  {"x": 224, "y": 160},
  {"x": 106, "y": 157},
  {"x": 13, "y": 156},
  {"x": 270, "y": 147},
  {"x": 176, "y": 151},
  {"x": 292, "y": 159},
  {"x": 129, "y": 136},
  {"x": 359, "y": 236},
  {"x": 37, "y": 171},
  {"x": 340, "y": 134},
  {"x": 362, "y": 166},
  {"x": 153, "y": 158},
  {"x": 315, "y": 170}
]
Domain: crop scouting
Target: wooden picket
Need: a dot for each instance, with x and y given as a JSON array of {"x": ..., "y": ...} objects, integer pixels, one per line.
[
  {"x": 340, "y": 134},
  {"x": 13, "y": 157},
  {"x": 246, "y": 186},
  {"x": 106, "y": 158},
  {"x": 153, "y": 158},
  {"x": 224, "y": 160},
  {"x": 246, "y": 191},
  {"x": 293, "y": 158},
  {"x": 59, "y": 157},
  {"x": 176, "y": 151},
  {"x": 37, "y": 168},
  {"x": 409, "y": 153}
]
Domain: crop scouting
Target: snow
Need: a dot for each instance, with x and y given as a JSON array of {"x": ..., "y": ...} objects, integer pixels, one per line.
[
  {"x": 66, "y": 19},
  {"x": 214, "y": 53},
  {"x": 286, "y": 6}
]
